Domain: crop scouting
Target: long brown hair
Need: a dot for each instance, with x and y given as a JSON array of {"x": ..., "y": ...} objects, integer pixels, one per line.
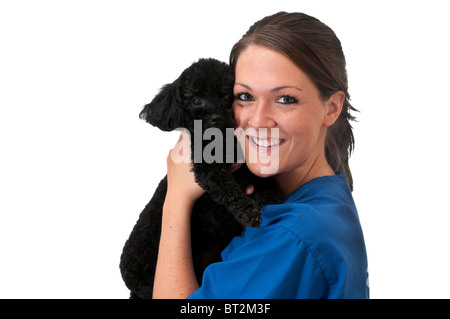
[{"x": 315, "y": 49}]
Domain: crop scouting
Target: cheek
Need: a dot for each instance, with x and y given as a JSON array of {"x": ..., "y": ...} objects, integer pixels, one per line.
[
  {"x": 306, "y": 139},
  {"x": 302, "y": 133}
]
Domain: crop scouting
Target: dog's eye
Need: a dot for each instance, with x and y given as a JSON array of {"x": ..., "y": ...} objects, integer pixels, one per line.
[
  {"x": 228, "y": 99},
  {"x": 197, "y": 102}
]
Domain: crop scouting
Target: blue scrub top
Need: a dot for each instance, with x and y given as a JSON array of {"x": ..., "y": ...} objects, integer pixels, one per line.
[{"x": 311, "y": 246}]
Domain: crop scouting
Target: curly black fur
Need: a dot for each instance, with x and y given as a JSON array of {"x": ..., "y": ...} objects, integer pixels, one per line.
[{"x": 204, "y": 91}]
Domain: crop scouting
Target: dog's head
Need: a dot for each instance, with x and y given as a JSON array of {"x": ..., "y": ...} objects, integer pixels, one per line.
[{"x": 204, "y": 91}]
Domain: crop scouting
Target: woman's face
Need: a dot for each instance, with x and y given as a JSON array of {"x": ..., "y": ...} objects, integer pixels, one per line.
[{"x": 273, "y": 93}]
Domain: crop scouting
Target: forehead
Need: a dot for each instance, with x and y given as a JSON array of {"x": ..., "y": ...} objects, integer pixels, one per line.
[{"x": 264, "y": 68}]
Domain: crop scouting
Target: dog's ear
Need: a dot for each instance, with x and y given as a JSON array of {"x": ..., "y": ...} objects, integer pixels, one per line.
[{"x": 166, "y": 110}]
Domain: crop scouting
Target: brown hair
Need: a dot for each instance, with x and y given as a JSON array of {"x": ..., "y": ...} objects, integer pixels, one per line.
[{"x": 315, "y": 49}]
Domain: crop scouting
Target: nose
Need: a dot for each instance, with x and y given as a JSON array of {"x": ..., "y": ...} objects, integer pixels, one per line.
[
  {"x": 216, "y": 120},
  {"x": 261, "y": 116}
]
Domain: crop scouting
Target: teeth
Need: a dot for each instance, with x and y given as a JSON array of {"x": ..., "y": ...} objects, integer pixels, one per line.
[{"x": 265, "y": 142}]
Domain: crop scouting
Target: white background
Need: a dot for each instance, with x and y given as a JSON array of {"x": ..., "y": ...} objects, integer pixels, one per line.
[{"x": 77, "y": 166}]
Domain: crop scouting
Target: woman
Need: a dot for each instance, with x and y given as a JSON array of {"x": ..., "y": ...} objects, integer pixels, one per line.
[{"x": 290, "y": 76}]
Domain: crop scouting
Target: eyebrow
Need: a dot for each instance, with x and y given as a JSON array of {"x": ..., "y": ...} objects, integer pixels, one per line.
[{"x": 272, "y": 90}]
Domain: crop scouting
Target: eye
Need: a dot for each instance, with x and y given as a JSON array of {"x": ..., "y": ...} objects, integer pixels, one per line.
[
  {"x": 228, "y": 99},
  {"x": 286, "y": 99},
  {"x": 197, "y": 102},
  {"x": 244, "y": 97}
]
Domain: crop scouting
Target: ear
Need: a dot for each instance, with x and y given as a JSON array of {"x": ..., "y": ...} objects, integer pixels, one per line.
[
  {"x": 334, "y": 108},
  {"x": 166, "y": 111}
]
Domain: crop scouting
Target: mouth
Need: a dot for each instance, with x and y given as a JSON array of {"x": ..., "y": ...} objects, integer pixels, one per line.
[{"x": 266, "y": 142}]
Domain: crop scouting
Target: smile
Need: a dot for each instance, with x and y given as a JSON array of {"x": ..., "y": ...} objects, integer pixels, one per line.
[{"x": 266, "y": 142}]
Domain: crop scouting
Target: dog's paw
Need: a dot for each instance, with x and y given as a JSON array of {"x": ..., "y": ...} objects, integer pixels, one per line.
[
  {"x": 252, "y": 218},
  {"x": 255, "y": 221}
]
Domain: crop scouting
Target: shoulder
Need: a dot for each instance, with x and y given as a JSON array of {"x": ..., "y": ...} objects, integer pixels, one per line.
[
  {"x": 314, "y": 237},
  {"x": 315, "y": 209},
  {"x": 323, "y": 216}
]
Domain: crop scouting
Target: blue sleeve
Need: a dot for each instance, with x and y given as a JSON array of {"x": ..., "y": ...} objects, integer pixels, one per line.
[{"x": 266, "y": 263}]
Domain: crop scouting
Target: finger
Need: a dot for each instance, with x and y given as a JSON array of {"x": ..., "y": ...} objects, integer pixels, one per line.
[
  {"x": 181, "y": 153},
  {"x": 250, "y": 189},
  {"x": 185, "y": 135}
]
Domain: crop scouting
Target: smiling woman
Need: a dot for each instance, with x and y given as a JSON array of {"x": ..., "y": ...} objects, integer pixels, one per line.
[
  {"x": 278, "y": 94},
  {"x": 291, "y": 99},
  {"x": 313, "y": 49}
]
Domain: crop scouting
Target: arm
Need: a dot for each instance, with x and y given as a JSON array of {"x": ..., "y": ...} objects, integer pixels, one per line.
[
  {"x": 175, "y": 276},
  {"x": 270, "y": 262}
]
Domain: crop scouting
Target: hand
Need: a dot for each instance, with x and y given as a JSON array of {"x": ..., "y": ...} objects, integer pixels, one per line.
[{"x": 181, "y": 184}]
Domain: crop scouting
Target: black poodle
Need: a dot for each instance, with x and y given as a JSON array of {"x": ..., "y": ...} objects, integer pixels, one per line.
[{"x": 203, "y": 92}]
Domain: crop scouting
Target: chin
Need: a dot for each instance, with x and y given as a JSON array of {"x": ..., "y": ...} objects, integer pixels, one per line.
[{"x": 263, "y": 170}]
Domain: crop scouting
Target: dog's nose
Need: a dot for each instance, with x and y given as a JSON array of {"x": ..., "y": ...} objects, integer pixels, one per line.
[{"x": 216, "y": 120}]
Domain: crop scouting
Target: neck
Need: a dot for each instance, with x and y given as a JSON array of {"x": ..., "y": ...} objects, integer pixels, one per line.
[{"x": 290, "y": 181}]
